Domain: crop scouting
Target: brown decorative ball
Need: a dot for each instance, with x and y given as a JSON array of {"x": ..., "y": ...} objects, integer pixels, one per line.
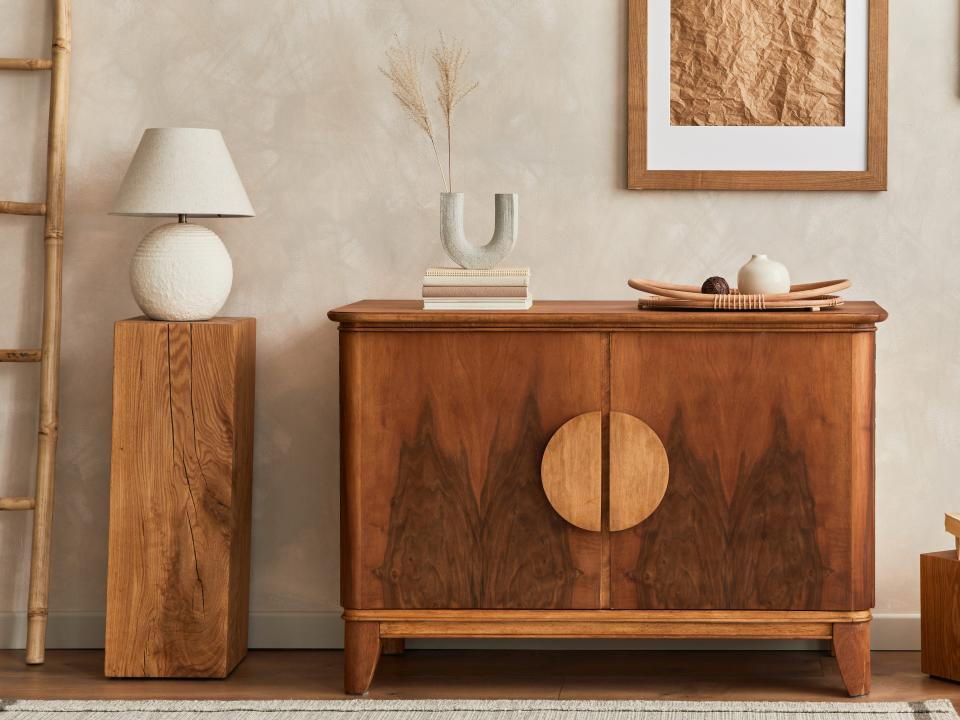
[{"x": 715, "y": 286}]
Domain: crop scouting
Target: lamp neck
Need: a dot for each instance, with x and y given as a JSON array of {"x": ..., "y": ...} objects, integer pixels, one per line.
[{"x": 181, "y": 218}]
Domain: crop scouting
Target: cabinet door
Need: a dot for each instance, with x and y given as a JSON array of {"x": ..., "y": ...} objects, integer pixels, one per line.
[
  {"x": 769, "y": 439},
  {"x": 444, "y": 433}
]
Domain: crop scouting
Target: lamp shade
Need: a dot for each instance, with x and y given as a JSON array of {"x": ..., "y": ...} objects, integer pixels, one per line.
[{"x": 182, "y": 171}]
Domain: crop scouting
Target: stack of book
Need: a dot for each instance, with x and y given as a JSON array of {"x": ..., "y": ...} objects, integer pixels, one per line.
[{"x": 461, "y": 289}]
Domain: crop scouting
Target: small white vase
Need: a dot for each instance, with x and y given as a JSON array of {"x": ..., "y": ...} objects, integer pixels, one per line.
[
  {"x": 181, "y": 271},
  {"x": 762, "y": 276}
]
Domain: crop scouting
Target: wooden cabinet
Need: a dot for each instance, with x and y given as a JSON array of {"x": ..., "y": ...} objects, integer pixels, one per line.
[{"x": 587, "y": 469}]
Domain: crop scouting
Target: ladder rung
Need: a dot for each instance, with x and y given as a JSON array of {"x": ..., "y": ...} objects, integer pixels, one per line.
[
  {"x": 31, "y": 355},
  {"x": 17, "y": 503},
  {"x": 25, "y": 64},
  {"x": 21, "y": 208}
]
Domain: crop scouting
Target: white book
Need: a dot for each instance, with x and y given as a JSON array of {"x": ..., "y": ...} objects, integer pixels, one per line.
[
  {"x": 429, "y": 304},
  {"x": 466, "y": 272},
  {"x": 475, "y": 300},
  {"x": 483, "y": 281}
]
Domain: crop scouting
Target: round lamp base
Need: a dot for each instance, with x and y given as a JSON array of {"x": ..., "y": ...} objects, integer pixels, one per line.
[{"x": 181, "y": 271}]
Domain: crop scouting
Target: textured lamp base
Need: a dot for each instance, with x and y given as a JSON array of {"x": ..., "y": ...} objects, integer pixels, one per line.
[{"x": 181, "y": 271}]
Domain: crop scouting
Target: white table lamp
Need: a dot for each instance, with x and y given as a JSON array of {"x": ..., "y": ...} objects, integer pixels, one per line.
[{"x": 181, "y": 271}]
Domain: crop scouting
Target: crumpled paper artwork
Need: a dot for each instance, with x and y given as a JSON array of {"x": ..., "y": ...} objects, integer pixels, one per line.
[{"x": 757, "y": 62}]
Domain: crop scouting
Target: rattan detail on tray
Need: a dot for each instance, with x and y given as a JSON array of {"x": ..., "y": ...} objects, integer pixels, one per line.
[{"x": 805, "y": 296}]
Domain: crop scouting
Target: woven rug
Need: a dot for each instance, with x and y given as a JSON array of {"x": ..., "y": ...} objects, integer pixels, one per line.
[{"x": 466, "y": 710}]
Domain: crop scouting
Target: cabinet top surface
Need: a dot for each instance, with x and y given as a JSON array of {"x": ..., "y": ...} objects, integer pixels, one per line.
[{"x": 603, "y": 314}]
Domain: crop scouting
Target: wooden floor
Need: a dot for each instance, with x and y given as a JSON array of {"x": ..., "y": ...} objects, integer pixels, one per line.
[{"x": 296, "y": 674}]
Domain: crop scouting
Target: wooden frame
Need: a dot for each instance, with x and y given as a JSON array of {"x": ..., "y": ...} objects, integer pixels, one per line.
[{"x": 641, "y": 178}]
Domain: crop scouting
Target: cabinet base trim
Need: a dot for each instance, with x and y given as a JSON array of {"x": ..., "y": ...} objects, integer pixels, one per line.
[
  {"x": 748, "y": 624},
  {"x": 849, "y": 632}
]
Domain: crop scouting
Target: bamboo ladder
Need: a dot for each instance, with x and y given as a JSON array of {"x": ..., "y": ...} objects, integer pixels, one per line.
[{"x": 48, "y": 354}]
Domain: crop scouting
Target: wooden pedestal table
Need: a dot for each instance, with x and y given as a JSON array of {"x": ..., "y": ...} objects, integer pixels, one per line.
[{"x": 180, "y": 482}]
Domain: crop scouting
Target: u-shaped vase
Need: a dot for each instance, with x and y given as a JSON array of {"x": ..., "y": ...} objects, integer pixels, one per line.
[{"x": 479, "y": 257}]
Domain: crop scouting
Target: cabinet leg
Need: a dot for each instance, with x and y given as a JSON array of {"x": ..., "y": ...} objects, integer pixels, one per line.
[
  {"x": 361, "y": 653},
  {"x": 392, "y": 646},
  {"x": 851, "y": 644}
]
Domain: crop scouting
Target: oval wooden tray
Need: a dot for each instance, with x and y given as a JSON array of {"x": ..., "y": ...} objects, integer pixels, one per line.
[{"x": 805, "y": 296}]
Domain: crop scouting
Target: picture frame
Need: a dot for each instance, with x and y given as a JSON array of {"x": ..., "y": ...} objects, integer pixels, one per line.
[{"x": 663, "y": 156}]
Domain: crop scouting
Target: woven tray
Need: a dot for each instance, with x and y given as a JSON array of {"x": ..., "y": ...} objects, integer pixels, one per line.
[{"x": 811, "y": 296}]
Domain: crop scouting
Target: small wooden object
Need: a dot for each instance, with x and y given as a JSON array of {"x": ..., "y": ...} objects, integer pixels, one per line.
[
  {"x": 940, "y": 608},
  {"x": 639, "y": 471},
  {"x": 179, "y": 546},
  {"x": 571, "y": 471},
  {"x": 48, "y": 354},
  {"x": 951, "y": 524}
]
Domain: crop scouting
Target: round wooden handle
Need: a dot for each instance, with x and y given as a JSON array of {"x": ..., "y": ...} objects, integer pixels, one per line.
[
  {"x": 639, "y": 471},
  {"x": 571, "y": 471}
]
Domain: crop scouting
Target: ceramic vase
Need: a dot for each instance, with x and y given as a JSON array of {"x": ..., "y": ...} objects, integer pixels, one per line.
[
  {"x": 763, "y": 276},
  {"x": 479, "y": 257}
]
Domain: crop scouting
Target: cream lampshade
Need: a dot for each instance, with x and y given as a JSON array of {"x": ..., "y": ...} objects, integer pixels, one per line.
[{"x": 181, "y": 271}]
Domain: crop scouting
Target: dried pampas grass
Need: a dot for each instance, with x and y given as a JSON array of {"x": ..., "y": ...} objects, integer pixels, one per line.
[
  {"x": 450, "y": 60},
  {"x": 403, "y": 71},
  {"x": 404, "y": 65}
]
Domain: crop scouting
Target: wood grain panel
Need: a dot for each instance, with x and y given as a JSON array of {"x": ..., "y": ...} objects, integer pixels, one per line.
[
  {"x": 450, "y": 429},
  {"x": 766, "y": 438},
  {"x": 179, "y": 546}
]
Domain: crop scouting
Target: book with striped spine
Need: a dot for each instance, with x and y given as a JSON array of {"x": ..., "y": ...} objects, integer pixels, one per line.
[
  {"x": 446, "y": 288},
  {"x": 475, "y": 291},
  {"x": 461, "y": 277},
  {"x": 467, "y": 272},
  {"x": 486, "y": 304}
]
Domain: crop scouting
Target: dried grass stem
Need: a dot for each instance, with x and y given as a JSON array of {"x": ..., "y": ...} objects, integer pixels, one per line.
[{"x": 403, "y": 71}]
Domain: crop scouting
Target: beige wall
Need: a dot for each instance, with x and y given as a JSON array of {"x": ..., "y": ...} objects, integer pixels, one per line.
[{"x": 347, "y": 202}]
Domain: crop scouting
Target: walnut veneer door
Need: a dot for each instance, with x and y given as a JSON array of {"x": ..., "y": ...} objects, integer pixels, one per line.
[
  {"x": 443, "y": 437},
  {"x": 769, "y": 439}
]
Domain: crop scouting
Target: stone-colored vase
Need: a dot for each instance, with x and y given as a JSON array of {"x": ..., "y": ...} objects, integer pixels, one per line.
[
  {"x": 479, "y": 257},
  {"x": 763, "y": 276}
]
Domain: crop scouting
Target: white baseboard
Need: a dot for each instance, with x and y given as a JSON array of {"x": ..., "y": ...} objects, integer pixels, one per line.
[
  {"x": 895, "y": 631},
  {"x": 324, "y": 629}
]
